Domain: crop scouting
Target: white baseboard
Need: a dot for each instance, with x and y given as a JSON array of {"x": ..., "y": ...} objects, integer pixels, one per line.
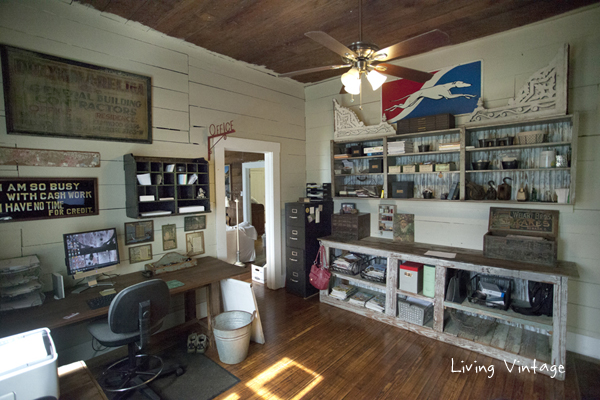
[{"x": 585, "y": 345}]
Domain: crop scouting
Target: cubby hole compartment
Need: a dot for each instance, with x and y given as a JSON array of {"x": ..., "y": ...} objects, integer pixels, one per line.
[
  {"x": 146, "y": 190},
  {"x": 352, "y": 185},
  {"x": 166, "y": 192},
  {"x": 432, "y": 139},
  {"x": 168, "y": 179},
  {"x": 412, "y": 309},
  {"x": 185, "y": 192},
  {"x": 156, "y": 178},
  {"x": 142, "y": 166},
  {"x": 354, "y": 166},
  {"x": 202, "y": 168},
  {"x": 180, "y": 167},
  {"x": 523, "y": 340},
  {"x": 441, "y": 183},
  {"x": 544, "y": 181},
  {"x": 203, "y": 179},
  {"x": 359, "y": 284},
  {"x": 156, "y": 166},
  {"x": 157, "y": 206},
  {"x": 362, "y": 261},
  {"x": 191, "y": 168},
  {"x": 528, "y": 158}
]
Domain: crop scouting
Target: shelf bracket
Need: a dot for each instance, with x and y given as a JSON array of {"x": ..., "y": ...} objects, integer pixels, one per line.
[{"x": 220, "y": 136}]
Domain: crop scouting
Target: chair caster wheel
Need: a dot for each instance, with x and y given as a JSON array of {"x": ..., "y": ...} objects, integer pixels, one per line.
[{"x": 179, "y": 371}]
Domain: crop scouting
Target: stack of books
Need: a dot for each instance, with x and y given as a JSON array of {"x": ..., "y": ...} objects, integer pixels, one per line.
[
  {"x": 377, "y": 303},
  {"x": 360, "y": 298},
  {"x": 400, "y": 147},
  {"x": 452, "y": 146},
  {"x": 343, "y": 291},
  {"x": 348, "y": 262},
  {"x": 340, "y": 156}
]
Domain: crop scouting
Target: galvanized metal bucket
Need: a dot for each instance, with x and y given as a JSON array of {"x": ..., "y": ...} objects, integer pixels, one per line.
[{"x": 232, "y": 335}]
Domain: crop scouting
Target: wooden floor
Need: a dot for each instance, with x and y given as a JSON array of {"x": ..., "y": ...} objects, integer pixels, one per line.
[{"x": 316, "y": 351}]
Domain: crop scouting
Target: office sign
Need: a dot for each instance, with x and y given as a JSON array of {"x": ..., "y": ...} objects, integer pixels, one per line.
[
  {"x": 51, "y": 96},
  {"x": 43, "y": 198}
]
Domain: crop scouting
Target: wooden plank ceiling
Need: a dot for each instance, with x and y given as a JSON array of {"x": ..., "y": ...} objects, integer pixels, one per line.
[{"x": 270, "y": 33}]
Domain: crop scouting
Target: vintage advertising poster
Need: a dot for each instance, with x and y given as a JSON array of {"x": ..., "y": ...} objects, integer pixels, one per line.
[
  {"x": 43, "y": 198},
  {"x": 51, "y": 96},
  {"x": 404, "y": 228},
  {"x": 453, "y": 90}
]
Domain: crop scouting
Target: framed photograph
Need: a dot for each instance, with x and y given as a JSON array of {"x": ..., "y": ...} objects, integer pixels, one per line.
[
  {"x": 228, "y": 181},
  {"x": 194, "y": 223},
  {"x": 348, "y": 207},
  {"x": 404, "y": 228},
  {"x": 169, "y": 237},
  {"x": 139, "y": 232},
  {"x": 194, "y": 243},
  {"x": 87, "y": 101},
  {"x": 140, "y": 253}
]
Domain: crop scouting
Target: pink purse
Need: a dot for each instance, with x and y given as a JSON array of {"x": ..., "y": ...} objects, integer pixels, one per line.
[{"x": 319, "y": 274}]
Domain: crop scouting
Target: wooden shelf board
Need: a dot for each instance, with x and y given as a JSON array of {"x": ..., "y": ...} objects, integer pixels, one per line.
[
  {"x": 367, "y": 173},
  {"x": 517, "y": 170},
  {"x": 542, "y": 322},
  {"x": 357, "y": 158},
  {"x": 421, "y": 173},
  {"x": 519, "y": 146},
  {"x": 402, "y": 136},
  {"x": 419, "y": 295},
  {"x": 425, "y": 153},
  {"x": 357, "y": 278}
]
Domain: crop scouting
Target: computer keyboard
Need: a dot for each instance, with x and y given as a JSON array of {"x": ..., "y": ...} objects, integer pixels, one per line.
[{"x": 101, "y": 301}]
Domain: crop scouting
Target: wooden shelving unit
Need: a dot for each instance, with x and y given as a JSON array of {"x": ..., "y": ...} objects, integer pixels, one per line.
[
  {"x": 513, "y": 337},
  {"x": 168, "y": 191},
  {"x": 561, "y": 136}
]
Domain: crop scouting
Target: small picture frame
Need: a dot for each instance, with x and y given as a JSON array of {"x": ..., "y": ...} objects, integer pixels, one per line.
[
  {"x": 139, "y": 232},
  {"x": 140, "y": 253},
  {"x": 347, "y": 208},
  {"x": 194, "y": 223},
  {"x": 169, "y": 237},
  {"x": 194, "y": 243}
]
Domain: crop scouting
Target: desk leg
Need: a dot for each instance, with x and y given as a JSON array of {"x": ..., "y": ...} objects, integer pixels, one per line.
[
  {"x": 190, "y": 305},
  {"x": 214, "y": 302}
]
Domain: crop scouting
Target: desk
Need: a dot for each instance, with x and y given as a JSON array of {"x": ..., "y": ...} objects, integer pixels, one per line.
[
  {"x": 76, "y": 382},
  {"x": 208, "y": 273}
]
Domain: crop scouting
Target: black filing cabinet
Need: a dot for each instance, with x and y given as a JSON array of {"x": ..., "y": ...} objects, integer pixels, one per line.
[{"x": 302, "y": 231}]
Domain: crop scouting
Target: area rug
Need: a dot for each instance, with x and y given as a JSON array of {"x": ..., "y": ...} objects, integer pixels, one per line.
[{"x": 203, "y": 379}]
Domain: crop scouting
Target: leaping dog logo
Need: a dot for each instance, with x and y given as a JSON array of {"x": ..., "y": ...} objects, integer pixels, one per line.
[{"x": 437, "y": 92}]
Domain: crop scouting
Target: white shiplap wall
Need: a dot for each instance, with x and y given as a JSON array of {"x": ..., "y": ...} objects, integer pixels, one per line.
[
  {"x": 508, "y": 61},
  {"x": 191, "y": 89}
]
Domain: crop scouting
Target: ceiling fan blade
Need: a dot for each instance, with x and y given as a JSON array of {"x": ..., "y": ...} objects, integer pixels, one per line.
[
  {"x": 310, "y": 70},
  {"x": 403, "y": 72},
  {"x": 332, "y": 44},
  {"x": 416, "y": 45}
]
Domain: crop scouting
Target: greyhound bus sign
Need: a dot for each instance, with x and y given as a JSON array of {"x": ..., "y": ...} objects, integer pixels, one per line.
[{"x": 452, "y": 90}]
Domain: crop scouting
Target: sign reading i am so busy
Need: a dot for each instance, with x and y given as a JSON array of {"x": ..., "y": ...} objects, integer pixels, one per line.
[{"x": 42, "y": 198}]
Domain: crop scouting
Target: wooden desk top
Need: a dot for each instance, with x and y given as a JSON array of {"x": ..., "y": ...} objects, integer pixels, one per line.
[
  {"x": 51, "y": 314},
  {"x": 466, "y": 256}
]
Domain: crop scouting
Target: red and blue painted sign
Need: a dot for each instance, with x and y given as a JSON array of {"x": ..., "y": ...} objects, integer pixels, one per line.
[{"x": 453, "y": 90}]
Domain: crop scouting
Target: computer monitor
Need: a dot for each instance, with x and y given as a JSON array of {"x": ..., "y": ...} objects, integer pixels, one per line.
[{"x": 88, "y": 254}]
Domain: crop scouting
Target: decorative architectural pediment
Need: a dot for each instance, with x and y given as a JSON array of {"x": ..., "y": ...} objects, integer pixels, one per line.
[
  {"x": 544, "y": 94},
  {"x": 347, "y": 125}
]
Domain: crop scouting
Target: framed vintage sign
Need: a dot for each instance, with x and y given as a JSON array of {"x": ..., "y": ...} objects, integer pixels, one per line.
[
  {"x": 44, "y": 198},
  {"x": 169, "y": 237},
  {"x": 51, "y": 96},
  {"x": 194, "y": 243},
  {"x": 194, "y": 223},
  {"x": 139, "y": 232},
  {"x": 140, "y": 253}
]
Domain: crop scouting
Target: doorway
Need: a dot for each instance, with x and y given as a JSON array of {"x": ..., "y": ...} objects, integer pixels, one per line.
[{"x": 275, "y": 275}]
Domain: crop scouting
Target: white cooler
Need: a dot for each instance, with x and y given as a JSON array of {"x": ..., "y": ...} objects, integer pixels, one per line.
[{"x": 28, "y": 366}]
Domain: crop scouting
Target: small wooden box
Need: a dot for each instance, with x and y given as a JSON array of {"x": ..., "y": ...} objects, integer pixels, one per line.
[
  {"x": 403, "y": 190},
  {"x": 351, "y": 226},
  {"x": 451, "y": 166},
  {"x": 376, "y": 166},
  {"x": 426, "y": 167},
  {"x": 424, "y": 124},
  {"x": 394, "y": 169},
  {"x": 410, "y": 168},
  {"x": 522, "y": 235}
]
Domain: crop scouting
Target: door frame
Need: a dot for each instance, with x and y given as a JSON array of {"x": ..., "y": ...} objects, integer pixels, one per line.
[
  {"x": 246, "y": 167},
  {"x": 275, "y": 274}
]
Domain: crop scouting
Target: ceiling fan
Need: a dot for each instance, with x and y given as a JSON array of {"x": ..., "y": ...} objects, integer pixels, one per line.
[{"x": 365, "y": 58}]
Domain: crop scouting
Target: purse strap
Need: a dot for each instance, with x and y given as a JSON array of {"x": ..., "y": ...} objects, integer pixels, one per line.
[{"x": 321, "y": 254}]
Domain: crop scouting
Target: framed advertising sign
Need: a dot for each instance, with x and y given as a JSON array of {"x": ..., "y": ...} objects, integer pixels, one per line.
[
  {"x": 43, "y": 198},
  {"x": 51, "y": 96}
]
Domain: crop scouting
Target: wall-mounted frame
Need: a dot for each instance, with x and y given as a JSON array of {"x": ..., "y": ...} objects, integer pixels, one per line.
[
  {"x": 46, "y": 95},
  {"x": 194, "y": 243},
  {"x": 140, "y": 253},
  {"x": 139, "y": 232},
  {"x": 348, "y": 207},
  {"x": 228, "y": 181},
  {"x": 194, "y": 223},
  {"x": 47, "y": 198},
  {"x": 169, "y": 237}
]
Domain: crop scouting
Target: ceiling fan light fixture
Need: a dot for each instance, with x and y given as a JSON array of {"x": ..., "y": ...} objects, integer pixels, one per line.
[
  {"x": 376, "y": 79},
  {"x": 351, "y": 77},
  {"x": 353, "y": 89}
]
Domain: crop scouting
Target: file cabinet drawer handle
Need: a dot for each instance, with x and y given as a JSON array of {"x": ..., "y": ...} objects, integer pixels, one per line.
[
  {"x": 294, "y": 253},
  {"x": 293, "y": 280},
  {"x": 292, "y": 217},
  {"x": 294, "y": 260},
  {"x": 293, "y": 238}
]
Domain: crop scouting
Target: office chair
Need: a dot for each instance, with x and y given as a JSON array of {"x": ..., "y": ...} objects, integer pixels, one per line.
[{"x": 134, "y": 314}]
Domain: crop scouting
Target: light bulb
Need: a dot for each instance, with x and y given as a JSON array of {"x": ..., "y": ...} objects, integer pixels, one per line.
[
  {"x": 349, "y": 78},
  {"x": 354, "y": 88},
  {"x": 376, "y": 79}
]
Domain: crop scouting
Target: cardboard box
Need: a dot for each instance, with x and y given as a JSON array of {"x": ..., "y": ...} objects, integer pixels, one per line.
[
  {"x": 258, "y": 273},
  {"x": 403, "y": 190},
  {"x": 525, "y": 235},
  {"x": 394, "y": 169},
  {"x": 411, "y": 277},
  {"x": 451, "y": 166},
  {"x": 426, "y": 167}
]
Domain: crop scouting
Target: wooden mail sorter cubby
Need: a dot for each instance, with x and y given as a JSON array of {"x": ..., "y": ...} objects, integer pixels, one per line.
[
  {"x": 513, "y": 337},
  {"x": 174, "y": 186}
]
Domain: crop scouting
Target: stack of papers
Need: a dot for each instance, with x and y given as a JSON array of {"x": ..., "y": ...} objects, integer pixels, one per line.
[
  {"x": 377, "y": 303},
  {"x": 400, "y": 147},
  {"x": 376, "y": 271},
  {"x": 343, "y": 291},
  {"x": 348, "y": 262},
  {"x": 449, "y": 146},
  {"x": 360, "y": 298},
  {"x": 192, "y": 179}
]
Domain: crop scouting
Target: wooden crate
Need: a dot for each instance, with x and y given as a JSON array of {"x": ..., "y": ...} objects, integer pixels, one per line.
[
  {"x": 522, "y": 235},
  {"x": 351, "y": 226}
]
